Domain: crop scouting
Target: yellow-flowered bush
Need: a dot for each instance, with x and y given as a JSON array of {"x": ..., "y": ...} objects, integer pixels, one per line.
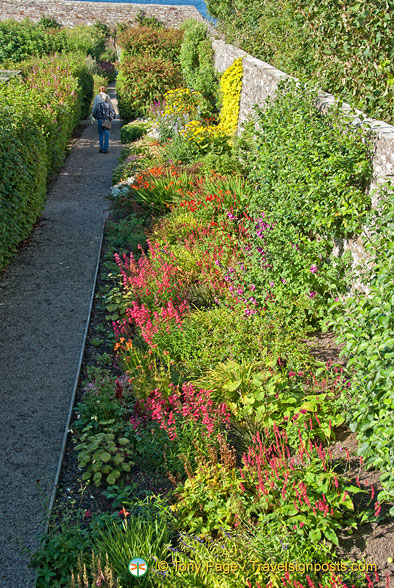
[
  {"x": 206, "y": 138},
  {"x": 218, "y": 137},
  {"x": 182, "y": 101},
  {"x": 230, "y": 87}
]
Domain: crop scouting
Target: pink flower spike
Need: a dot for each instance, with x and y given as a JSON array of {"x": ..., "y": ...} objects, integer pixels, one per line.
[{"x": 313, "y": 269}]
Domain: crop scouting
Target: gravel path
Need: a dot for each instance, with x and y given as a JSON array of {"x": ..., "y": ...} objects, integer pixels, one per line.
[{"x": 44, "y": 305}]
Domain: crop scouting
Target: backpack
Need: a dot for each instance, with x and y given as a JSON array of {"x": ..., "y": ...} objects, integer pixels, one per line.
[{"x": 102, "y": 110}]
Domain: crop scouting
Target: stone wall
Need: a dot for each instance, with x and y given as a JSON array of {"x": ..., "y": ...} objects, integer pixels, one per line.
[
  {"x": 71, "y": 13},
  {"x": 260, "y": 81}
]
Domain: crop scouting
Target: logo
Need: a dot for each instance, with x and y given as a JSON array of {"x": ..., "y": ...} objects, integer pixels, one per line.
[{"x": 138, "y": 567}]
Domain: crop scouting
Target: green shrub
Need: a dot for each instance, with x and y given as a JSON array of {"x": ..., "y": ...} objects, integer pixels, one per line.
[
  {"x": 90, "y": 39},
  {"x": 141, "y": 81},
  {"x": 37, "y": 125},
  {"x": 148, "y": 21},
  {"x": 311, "y": 170},
  {"x": 23, "y": 171},
  {"x": 131, "y": 132},
  {"x": 365, "y": 322},
  {"x": 157, "y": 42},
  {"x": 60, "y": 552},
  {"x": 20, "y": 40},
  {"x": 197, "y": 60}
]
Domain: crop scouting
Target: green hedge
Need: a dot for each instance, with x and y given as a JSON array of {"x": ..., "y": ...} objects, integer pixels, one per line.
[
  {"x": 20, "y": 40},
  {"x": 38, "y": 114},
  {"x": 23, "y": 171}
]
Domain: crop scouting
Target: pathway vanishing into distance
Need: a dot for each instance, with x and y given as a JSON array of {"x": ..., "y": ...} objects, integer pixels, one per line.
[{"x": 44, "y": 304}]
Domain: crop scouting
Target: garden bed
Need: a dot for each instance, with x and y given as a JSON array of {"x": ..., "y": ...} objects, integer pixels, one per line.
[{"x": 215, "y": 429}]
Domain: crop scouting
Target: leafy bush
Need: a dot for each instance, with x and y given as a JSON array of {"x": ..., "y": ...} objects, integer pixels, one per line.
[
  {"x": 20, "y": 40},
  {"x": 60, "y": 552},
  {"x": 141, "y": 81},
  {"x": 131, "y": 132},
  {"x": 148, "y": 21},
  {"x": 157, "y": 42},
  {"x": 197, "y": 59},
  {"x": 321, "y": 162},
  {"x": 90, "y": 39},
  {"x": 366, "y": 327}
]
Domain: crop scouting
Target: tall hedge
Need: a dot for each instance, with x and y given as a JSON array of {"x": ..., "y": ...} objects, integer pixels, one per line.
[
  {"x": 38, "y": 114},
  {"x": 346, "y": 47}
]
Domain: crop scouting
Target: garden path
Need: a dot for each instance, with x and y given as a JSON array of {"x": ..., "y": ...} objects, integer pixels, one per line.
[{"x": 44, "y": 306}]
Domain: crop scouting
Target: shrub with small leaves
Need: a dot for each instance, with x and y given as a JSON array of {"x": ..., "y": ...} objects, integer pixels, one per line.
[{"x": 132, "y": 132}]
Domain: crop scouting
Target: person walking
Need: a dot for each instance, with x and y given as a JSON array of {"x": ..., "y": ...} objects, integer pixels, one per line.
[{"x": 104, "y": 113}]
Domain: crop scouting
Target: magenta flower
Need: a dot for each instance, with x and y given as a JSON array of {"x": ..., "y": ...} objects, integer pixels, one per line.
[
  {"x": 313, "y": 269},
  {"x": 312, "y": 294}
]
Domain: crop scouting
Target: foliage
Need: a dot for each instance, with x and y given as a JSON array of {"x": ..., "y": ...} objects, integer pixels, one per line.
[
  {"x": 156, "y": 42},
  {"x": 197, "y": 59},
  {"x": 320, "y": 161},
  {"x": 158, "y": 186},
  {"x": 365, "y": 323},
  {"x": 59, "y": 553},
  {"x": 23, "y": 169},
  {"x": 48, "y": 22},
  {"x": 143, "y": 79},
  {"x": 102, "y": 454},
  {"x": 145, "y": 532},
  {"x": 180, "y": 150},
  {"x": 346, "y": 48},
  {"x": 322, "y": 164},
  {"x": 90, "y": 39},
  {"x": 132, "y": 132},
  {"x": 206, "y": 138},
  {"x": 35, "y": 132},
  {"x": 20, "y": 40},
  {"x": 148, "y": 21}
]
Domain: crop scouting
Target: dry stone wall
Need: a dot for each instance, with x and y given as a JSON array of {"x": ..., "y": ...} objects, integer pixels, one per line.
[
  {"x": 260, "y": 81},
  {"x": 71, "y": 13}
]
